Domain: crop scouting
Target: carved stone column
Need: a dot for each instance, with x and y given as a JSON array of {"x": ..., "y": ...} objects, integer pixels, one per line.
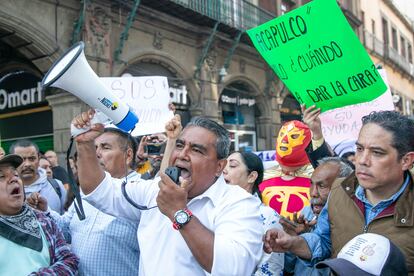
[
  {"x": 208, "y": 94},
  {"x": 98, "y": 26},
  {"x": 265, "y": 130}
]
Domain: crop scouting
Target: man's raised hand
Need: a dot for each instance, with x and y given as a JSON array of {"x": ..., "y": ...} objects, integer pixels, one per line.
[
  {"x": 84, "y": 120},
  {"x": 276, "y": 240}
]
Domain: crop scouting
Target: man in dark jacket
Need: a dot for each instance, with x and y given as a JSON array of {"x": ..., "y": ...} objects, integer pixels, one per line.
[{"x": 378, "y": 198}]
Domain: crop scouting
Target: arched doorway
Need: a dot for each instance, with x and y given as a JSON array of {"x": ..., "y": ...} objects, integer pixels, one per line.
[
  {"x": 239, "y": 112},
  {"x": 22, "y": 100},
  {"x": 179, "y": 93}
]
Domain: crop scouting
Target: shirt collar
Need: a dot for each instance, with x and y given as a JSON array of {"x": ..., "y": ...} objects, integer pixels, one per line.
[
  {"x": 360, "y": 193},
  {"x": 214, "y": 192}
]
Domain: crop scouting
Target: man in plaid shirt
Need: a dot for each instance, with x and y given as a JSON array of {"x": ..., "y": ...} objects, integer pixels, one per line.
[{"x": 26, "y": 235}]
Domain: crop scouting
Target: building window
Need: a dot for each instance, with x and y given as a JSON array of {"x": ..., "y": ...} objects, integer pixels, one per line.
[
  {"x": 412, "y": 107},
  {"x": 410, "y": 53},
  {"x": 402, "y": 43},
  {"x": 286, "y": 6},
  {"x": 290, "y": 109},
  {"x": 238, "y": 106},
  {"x": 373, "y": 26},
  {"x": 239, "y": 113},
  {"x": 394, "y": 38},
  {"x": 385, "y": 35},
  {"x": 363, "y": 20}
]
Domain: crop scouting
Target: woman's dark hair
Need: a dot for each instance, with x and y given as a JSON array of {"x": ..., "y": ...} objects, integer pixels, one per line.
[{"x": 253, "y": 163}]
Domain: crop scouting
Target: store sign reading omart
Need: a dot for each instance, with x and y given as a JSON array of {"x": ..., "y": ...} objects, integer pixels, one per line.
[
  {"x": 24, "y": 97},
  {"x": 19, "y": 89}
]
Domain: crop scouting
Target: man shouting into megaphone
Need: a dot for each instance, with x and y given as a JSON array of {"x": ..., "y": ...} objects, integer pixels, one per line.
[{"x": 197, "y": 227}]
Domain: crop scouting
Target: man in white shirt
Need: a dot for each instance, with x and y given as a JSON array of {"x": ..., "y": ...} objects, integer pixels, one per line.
[
  {"x": 96, "y": 239},
  {"x": 199, "y": 227}
]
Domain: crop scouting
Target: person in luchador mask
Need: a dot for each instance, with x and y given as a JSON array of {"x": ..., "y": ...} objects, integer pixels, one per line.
[{"x": 287, "y": 191}]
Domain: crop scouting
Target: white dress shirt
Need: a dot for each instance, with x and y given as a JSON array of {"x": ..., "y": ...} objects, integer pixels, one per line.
[
  {"x": 228, "y": 211},
  {"x": 106, "y": 245}
]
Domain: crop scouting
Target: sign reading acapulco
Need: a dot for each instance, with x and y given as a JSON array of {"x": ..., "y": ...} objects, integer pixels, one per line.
[{"x": 317, "y": 55}]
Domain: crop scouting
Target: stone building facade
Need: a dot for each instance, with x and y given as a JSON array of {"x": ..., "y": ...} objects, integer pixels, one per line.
[
  {"x": 389, "y": 38},
  {"x": 200, "y": 45}
]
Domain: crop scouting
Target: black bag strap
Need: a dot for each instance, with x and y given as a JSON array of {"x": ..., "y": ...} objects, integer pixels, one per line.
[
  {"x": 55, "y": 186},
  {"x": 77, "y": 202}
]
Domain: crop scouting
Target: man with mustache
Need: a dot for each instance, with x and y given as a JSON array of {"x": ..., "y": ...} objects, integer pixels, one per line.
[
  {"x": 202, "y": 226},
  {"x": 378, "y": 198},
  {"x": 30, "y": 241},
  {"x": 323, "y": 176},
  {"x": 35, "y": 178}
]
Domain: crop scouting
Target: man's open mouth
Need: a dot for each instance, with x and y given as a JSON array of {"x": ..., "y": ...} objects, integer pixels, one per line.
[
  {"x": 185, "y": 171},
  {"x": 15, "y": 191}
]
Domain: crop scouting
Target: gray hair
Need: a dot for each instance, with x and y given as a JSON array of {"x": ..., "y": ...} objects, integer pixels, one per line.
[
  {"x": 223, "y": 139},
  {"x": 401, "y": 128},
  {"x": 344, "y": 168}
]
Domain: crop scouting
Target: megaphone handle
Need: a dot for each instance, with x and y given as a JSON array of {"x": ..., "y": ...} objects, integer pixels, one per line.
[{"x": 98, "y": 118}]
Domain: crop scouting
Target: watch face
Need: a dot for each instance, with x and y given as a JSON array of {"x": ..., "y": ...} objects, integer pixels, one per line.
[{"x": 181, "y": 217}]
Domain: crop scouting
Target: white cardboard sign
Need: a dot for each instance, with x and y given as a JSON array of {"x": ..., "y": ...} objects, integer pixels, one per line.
[
  {"x": 148, "y": 97},
  {"x": 341, "y": 126}
]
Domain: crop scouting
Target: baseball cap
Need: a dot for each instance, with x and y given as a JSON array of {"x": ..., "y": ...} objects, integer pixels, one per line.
[
  {"x": 13, "y": 159},
  {"x": 368, "y": 254}
]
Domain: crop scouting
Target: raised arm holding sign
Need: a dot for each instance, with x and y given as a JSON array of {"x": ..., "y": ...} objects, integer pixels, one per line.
[{"x": 318, "y": 57}]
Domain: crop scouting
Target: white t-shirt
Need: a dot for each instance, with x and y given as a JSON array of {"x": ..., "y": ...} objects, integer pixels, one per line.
[{"x": 228, "y": 211}]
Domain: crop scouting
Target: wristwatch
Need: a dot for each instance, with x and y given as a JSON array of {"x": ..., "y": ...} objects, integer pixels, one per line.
[{"x": 181, "y": 218}]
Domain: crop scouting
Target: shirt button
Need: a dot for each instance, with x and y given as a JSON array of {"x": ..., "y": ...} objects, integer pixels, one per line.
[
  {"x": 347, "y": 188},
  {"x": 403, "y": 220}
]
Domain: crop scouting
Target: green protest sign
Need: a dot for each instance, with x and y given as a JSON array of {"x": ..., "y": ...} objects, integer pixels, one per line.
[{"x": 319, "y": 58}]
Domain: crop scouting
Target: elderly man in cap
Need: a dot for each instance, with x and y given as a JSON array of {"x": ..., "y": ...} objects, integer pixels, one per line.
[{"x": 27, "y": 235}]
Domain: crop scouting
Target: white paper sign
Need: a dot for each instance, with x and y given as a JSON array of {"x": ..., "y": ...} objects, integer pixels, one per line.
[
  {"x": 341, "y": 126},
  {"x": 268, "y": 158},
  {"x": 148, "y": 97}
]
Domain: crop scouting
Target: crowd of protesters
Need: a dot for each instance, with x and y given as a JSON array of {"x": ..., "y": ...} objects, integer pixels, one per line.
[{"x": 313, "y": 213}]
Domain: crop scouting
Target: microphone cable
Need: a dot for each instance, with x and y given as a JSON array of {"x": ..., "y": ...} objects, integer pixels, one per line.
[{"x": 124, "y": 183}]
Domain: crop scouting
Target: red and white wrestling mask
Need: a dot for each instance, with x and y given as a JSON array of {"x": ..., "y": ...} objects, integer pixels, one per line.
[{"x": 293, "y": 138}]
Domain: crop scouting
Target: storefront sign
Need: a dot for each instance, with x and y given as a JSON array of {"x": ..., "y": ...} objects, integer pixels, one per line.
[
  {"x": 19, "y": 89},
  {"x": 319, "y": 58},
  {"x": 237, "y": 100},
  {"x": 178, "y": 95}
]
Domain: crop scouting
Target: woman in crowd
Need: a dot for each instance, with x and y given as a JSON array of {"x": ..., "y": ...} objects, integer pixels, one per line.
[{"x": 245, "y": 169}]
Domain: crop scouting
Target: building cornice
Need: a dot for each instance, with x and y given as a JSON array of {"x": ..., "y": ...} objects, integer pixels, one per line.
[{"x": 409, "y": 24}]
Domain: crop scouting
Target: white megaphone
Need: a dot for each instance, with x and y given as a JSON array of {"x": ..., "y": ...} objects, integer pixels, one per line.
[{"x": 72, "y": 73}]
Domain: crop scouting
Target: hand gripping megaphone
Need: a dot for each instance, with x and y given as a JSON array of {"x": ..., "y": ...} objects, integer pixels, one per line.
[{"x": 72, "y": 73}]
